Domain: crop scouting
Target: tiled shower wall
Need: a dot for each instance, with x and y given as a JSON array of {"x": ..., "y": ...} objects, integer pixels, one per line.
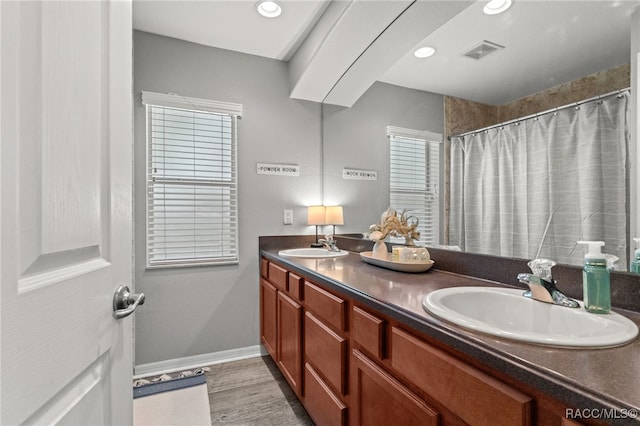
[{"x": 463, "y": 116}]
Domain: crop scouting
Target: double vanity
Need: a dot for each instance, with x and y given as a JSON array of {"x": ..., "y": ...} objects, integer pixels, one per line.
[{"x": 364, "y": 345}]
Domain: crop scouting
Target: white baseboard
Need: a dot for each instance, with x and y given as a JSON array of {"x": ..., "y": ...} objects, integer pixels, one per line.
[{"x": 179, "y": 364}]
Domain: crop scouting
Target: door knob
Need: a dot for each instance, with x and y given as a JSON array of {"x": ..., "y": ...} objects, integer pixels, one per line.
[{"x": 125, "y": 302}]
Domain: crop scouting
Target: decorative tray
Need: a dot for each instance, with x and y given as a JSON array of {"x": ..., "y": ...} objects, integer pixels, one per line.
[{"x": 395, "y": 265}]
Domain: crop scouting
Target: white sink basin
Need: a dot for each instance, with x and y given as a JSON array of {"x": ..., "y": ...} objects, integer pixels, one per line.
[
  {"x": 312, "y": 253},
  {"x": 506, "y": 313}
]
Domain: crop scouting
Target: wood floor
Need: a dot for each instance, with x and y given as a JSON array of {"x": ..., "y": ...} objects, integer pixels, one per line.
[{"x": 252, "y": 392}]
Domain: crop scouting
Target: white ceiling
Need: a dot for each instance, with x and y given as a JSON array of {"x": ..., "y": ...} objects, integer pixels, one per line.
[
  {"x": 547, "y": 42},
  {"x": 230, "y": 24}
]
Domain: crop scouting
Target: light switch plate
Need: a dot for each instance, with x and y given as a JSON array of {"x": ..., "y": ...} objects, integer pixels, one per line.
[{"x": 288, "y": 217}]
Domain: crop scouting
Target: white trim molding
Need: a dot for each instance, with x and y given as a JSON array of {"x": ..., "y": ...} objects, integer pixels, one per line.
[
  {"x": 172, "y": 100},
  {"x": 414, "y": 134},
  {"x": 178, "y": 364}
]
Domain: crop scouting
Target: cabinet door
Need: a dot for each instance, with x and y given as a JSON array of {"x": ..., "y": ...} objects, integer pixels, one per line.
[
  {"x": 382, "y": 400},
  {"x": 290, "y": 340},
  {"x": 268, "y": 316}
]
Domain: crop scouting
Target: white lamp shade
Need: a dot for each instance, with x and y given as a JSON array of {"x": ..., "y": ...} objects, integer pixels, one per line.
[
  {"x": 316, "y": 215},
  {"x": 334, "y": 216}
]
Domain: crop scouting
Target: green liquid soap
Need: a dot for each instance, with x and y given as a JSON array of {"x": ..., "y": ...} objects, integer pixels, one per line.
[
  {"x": 597, "y": 287},
  {"x": 635, "y": 264},
  {"x": 596, "y": 283}
]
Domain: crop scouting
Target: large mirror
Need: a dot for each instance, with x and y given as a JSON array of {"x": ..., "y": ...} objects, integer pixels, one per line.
[{"x": 547, "y": 54}]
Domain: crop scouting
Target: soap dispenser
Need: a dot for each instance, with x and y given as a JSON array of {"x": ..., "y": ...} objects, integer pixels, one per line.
[
  {"x": 595, "y": 279},
  {"x": 635, "y": 264}
]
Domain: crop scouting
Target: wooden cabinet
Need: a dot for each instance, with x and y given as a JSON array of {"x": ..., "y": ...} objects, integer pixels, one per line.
[
  {"x": 281, "y": 322},
  {"x": 473, "y": 396},
  {"x": 322, "y": 404},
  {"x": 268, "y": 316},
  {"x": 278, "y": 276},
  {"x": 289, "y": 327},
  {"x": 295, "y": 286},
  {"x": 331, "y": 308},
  {"x": 381, "y": 400},
  {"x": 350, "y": 364},
  {"x": 368, "y": 331},
  {"x": 450, "y": 391},
  {"x": 326, "y": 351}
]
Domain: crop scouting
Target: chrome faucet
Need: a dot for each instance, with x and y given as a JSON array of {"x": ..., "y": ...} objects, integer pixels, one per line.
[
  {"x": 329, "y": 243},
  {"x": 542, "y": 286}
]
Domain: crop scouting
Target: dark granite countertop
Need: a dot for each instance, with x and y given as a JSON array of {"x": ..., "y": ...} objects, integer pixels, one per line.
[{"x": 583, "y": 378}]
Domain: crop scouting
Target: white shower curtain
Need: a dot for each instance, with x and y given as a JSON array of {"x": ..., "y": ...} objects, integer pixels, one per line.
[{"x": 565, "y": 171}]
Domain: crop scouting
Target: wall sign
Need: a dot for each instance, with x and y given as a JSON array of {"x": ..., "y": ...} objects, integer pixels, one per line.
[
  {"x": 359, "y": 174},
  {"x": 278, "y": 169}
]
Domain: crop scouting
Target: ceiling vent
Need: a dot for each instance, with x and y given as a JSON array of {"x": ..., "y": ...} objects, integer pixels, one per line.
[{"x": 482, "y": 49}]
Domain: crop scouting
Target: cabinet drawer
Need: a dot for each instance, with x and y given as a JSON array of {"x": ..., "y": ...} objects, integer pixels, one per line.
[
  {"x": 295, "y": 286},
  {"x": 264, "y": 268},
  {"x": 368, "y": 331},
  {"x": 382, "y": 400},
  {"x": 326, "y": 351},
  {"x": 323, "y": 406},
  {"x": 330, "y": 308},
  {"x": 278, "y": 276},
  {"x": 472, "y": 395}
]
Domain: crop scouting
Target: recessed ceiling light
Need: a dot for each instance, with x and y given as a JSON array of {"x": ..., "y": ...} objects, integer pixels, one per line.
[
  {"x": 494, "y": 7},
  {"x": 269, "y": 9},
  {"x": 424, "y": 52}
]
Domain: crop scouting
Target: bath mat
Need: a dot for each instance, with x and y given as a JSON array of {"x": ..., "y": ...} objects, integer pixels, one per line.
[
  {"x": 172, "y": 401},
  {"x": 152, "y": 388}
]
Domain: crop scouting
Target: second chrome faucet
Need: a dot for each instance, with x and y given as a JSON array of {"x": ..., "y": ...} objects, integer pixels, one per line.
[{"x": 329, "y": 243}]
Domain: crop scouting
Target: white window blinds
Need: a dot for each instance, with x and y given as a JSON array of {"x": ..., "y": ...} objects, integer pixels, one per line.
[
  {"x": 414, "y": 178},
  {"x": 192, "y": 207}
]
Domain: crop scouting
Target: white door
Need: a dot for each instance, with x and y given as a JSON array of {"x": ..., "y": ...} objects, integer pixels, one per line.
[{"x": 65, "y": 216}]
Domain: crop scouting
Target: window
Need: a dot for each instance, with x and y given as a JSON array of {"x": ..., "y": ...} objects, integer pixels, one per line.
[
  {"x": 414, "y": 178},
  {"x": 192, "y": 206}
]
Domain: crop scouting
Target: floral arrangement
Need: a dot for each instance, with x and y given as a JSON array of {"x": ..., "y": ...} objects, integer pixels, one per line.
[{"x": 402, "y": 225}]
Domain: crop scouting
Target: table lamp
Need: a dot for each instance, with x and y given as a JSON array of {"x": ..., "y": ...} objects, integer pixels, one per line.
[
  {"x": 334, "y": 216},
  {"x": 316, "y": 216}
]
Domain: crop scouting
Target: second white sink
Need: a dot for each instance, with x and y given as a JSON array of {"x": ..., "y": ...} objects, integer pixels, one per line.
[
  {"x": 506, "y": 313},
  {"x": 312, "y": 253}
]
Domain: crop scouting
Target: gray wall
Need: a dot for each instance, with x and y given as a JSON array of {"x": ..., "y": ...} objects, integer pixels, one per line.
[
  {"x": 356, "y": 138},
  {"x": 194, "y": 311}
]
